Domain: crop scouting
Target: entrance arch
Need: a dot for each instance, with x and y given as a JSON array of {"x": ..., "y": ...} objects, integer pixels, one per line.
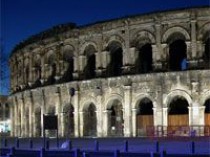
[
  {"x": 68, "y": 118},
  {"x": 178, "y": 112},
  {"x": 177, "y": 55},
  {"x": 207, "y": 112},
  {"x": 38, "y": 122},
  {"x": 144, "y": 116},
  {"x": 90, "y": 121},
  {"x": 115, "y": 118}
]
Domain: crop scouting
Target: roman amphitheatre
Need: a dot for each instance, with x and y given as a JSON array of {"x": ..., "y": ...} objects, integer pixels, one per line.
[{"x": 133, "y": 76}]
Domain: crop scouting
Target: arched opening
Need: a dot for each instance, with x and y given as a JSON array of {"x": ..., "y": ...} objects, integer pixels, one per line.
[
  {"x": 207, "y": 112},
  {"x": 144, "y": 60},
  {"x": 144, "y": 116},
  {"x": 53, "y": 69},
  {"x": 68, "y": 117},
  {"x": 207, "y": 53},
  {"x": 177, "y": 55},
  {"x": 90, "y": 121},
  {"x": 38, "y": 122},
  {"x": 89, "y": 70},
  {"x": 116, "y": 59},
  {"x": 51, "y": 111},
  {"x": 68, "y": 58},
  {"x": 116, "y": 121},
  {"x": 178, "y": 112},
  {"x": 178, "y": 117}
]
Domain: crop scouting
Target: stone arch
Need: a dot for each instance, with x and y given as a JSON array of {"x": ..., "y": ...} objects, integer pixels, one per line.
[
  {"x": 111, "y": 98},
  {"x": 67, "y": 52},
  {"x": 204, "y": 37},
  {"x": 114, "y": 38},
  {"x": 89, "y": 119},
  {"x": 142, "y": 37},
  {"x": 114, "y": 67},
  {"x": 144, "y": 115},
  {"x": 68, "y": 65},
  {"x": 37, "y": 66},
  {"x": 203, "y": 31},
  {"x": 207, "y": 111},
  {"x": 115, "y": 117},
  {"x": 175, "y": 32},
  {"x": 86, "y": 44},
  {"x": 90, "y": 67},
  {"x": 50, "y": 57},
  {"x": 51, "y": 61},
  {"x": 68, "y": 118},
  {"x": 87, "y": 100},
  {"x": 176, "y": 93},
  {"x": 178, "y": 112},
  {"x": 140, "y": 97},
  {"x": 205, "y": 96}
]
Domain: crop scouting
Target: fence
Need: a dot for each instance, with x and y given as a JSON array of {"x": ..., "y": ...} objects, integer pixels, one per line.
[{"x": 175, "y": 131}]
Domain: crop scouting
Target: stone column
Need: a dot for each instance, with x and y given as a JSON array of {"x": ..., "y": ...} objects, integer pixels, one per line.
[
  {"x": 165, "y": 116},
  {"x": 158, "y": 116},
  {"x": 16, "y": 119},
  {"x": 22, "y": 118},
  {"x": 82, "y": 63},
  {"x": 134, "y": 111},
  {"x": 158, "y": 120},
  {"x": 99, "y": 117},
  {"x": 132, "y": 53},
  {"x": 12, "y": 118},
  {"x": 76, "y": 114},
  {"x": 127, "y": 111},
  {"x": 76, "y": 68},
  {"x": 31, "y": 116},
  {"x": 164, "y": 120},
  {"x": 106, "y": 122},
  {"x": 196, "y": 115},
  {"x": 193, "y": 39},
  {"x": 105, "y": 58},
  {"x": 81, "y": 126}
]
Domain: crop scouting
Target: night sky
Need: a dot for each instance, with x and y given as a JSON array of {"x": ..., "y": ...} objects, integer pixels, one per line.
[{"x": 23, "y": 18}]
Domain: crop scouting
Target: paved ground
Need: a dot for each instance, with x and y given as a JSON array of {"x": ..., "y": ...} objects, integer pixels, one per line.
[{"x": 171, "y": 145}]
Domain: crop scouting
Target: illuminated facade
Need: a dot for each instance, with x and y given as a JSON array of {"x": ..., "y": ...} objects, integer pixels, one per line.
[{"x": 114, "y": 78}]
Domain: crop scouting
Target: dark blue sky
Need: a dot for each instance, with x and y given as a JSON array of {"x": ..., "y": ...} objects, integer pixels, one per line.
[{"x": 22, "y": 18}]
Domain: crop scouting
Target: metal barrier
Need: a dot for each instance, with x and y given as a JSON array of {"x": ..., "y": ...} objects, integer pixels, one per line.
[{"x": 174, "y": 131}]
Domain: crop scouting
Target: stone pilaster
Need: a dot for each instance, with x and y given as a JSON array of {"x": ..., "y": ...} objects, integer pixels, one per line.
[
  {"x": 106, "y": 115},
  {"x": 81, "y": 126},
  {"x": 158, "y": 116},
  {"x": 99, "y": 117},
  {"x": 76, "y": 114},
  {"x": 31, "y": 116},
  {"x": 196, "y": 115},
  {"x": 134, "y": 111},
  {"x": 165, "y": 116},
  {"x": 127, "y": 111}
]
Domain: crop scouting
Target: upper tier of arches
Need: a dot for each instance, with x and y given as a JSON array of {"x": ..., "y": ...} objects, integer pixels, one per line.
[{"x": 162, "y": 42}]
